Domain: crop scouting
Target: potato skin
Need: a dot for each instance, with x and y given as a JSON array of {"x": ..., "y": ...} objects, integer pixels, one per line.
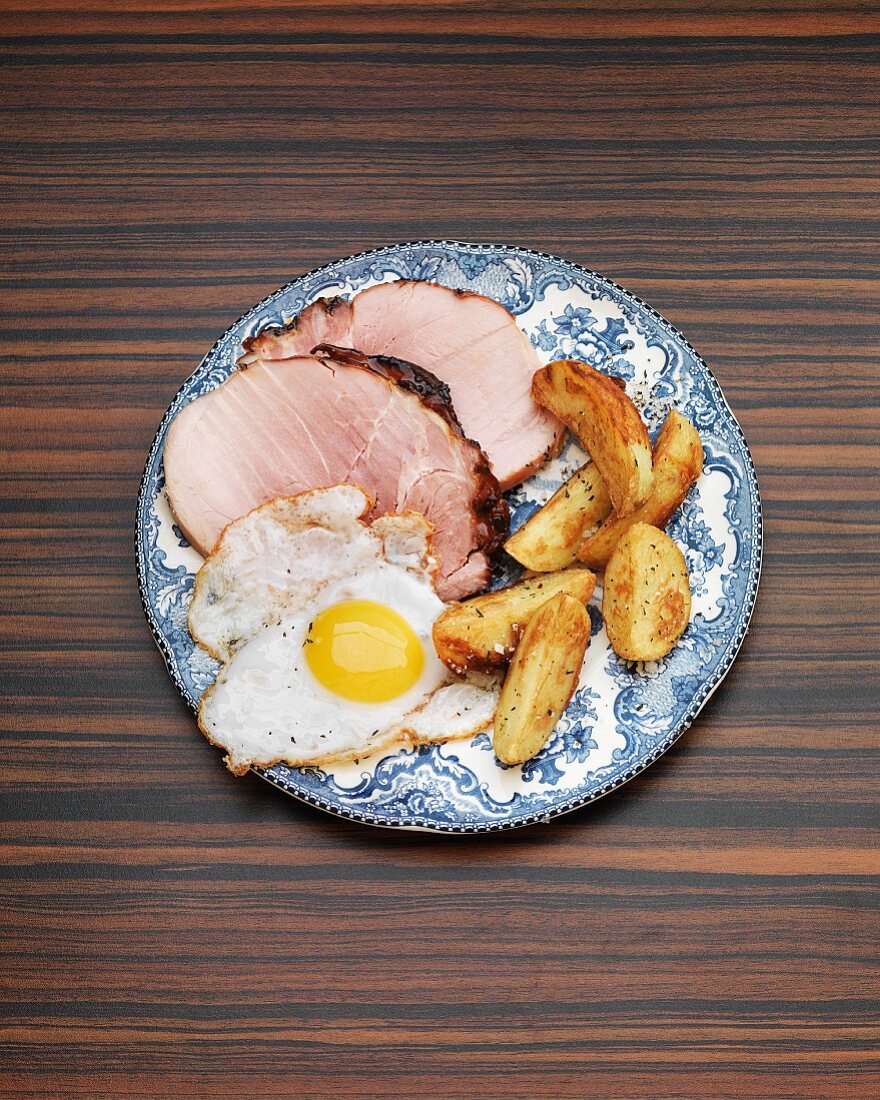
[
  {"x": 550, "y": 538},
  {"x": 646, "y": 599},
  {"x": 542, "y": 677},
  {"x": 480, "y": 634},
  {"x": 601, "y": 415},
  {"x": 678, "y": 462}
]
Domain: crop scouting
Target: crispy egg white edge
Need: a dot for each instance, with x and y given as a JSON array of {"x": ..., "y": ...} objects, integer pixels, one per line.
[
  {"x": 284, "y": 522},
  {"x": 408, "y": 538},
  {"x": 268, "y": 690},
  {"x": 437, "y": 708},
  {"x": 399, "y": 735}
]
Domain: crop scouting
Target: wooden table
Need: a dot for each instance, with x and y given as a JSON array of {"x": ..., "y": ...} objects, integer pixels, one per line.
[{"x": 710, "y": 930}]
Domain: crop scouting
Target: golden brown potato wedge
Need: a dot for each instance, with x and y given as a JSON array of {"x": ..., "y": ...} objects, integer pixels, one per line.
[
  {"x": 550, "y": 538},
  {"x": 542, "y": 677},
  {"x": 678, "y": 462},
  {"x": 481, "y": 633},
  {"x": 600, "y": 414},
  {"x": 646, "y": 600}
]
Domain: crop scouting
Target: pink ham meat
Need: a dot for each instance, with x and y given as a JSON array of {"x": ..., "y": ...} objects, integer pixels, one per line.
[
  {"x": 469, "y": 342},
  {"x": 280, "y": 427}
]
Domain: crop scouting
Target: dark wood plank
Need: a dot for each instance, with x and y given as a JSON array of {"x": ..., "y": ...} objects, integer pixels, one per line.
[{"x": 710, "y": 930}]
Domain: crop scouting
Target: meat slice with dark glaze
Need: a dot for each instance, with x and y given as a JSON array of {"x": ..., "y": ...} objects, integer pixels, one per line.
[
  {"x": 470, "y": 342},
  {"x": 280, "y": 427}
]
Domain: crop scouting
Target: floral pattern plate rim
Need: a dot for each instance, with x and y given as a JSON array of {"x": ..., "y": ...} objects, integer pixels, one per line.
[{"x": 622, "y": 717}]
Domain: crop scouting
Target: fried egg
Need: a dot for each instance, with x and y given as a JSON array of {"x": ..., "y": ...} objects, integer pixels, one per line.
[{"x": 323, "y": 622}]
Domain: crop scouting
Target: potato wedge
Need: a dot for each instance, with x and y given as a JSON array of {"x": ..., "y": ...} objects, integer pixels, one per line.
[
  {"x": 550, "y": 538},
  {"x": 600, "y": 414},
  {"x": 481, "y": 633},
  {"x": 542, "y": 677},
  {"x": 646, "y": 600},
  {"x": 678, "y": 462}
]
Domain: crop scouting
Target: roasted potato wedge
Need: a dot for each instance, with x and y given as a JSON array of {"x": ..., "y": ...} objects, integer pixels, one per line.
[
  {"x": 646, "y": 600},
  {"x": 550, "y": 538},
  {"x": 542, "y": 677},
  {"x": 678, "y": 462},
  {"x": 481, "y": 633},
  {"x": 600, "y": 414}
]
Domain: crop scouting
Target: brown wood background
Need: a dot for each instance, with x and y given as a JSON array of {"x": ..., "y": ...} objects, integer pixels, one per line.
[{"x": 711, "y": 929}]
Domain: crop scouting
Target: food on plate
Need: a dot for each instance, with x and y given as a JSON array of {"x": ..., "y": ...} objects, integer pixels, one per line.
[
  {"x": 323, "y": 622},
  {"x": 605, "y": 420},
  {"x": 678, "y": 462},
  {"x": 550, "y": 538},
  {"x": 470, "y": 342},
  {"x": 282, "y": 427},
  {"x": 646, "y": 598},
  {"x": 482, "y": 633},
  {"x": 348, "y": 501},
  {"x": 542, "y": 678},
  {"x": 284, "y": 553}
]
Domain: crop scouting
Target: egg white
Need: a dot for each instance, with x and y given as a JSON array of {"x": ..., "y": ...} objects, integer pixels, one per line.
[
  {"x": 279, "y": 558},
  {"x": 271, "y": 573},
  {"x": 267, "y": 703}
]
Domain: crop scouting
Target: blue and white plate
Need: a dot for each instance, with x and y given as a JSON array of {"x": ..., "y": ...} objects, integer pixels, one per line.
[{"x": 623, "y": 716}]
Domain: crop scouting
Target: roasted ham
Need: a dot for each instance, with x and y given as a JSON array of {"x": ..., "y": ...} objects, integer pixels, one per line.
[
  {"x": 469, "y": 342},
  {"x": 279, "y": 427}
]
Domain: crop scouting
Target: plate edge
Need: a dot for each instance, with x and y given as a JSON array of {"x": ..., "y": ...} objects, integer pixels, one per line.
[{"x": 415, "y": 824}]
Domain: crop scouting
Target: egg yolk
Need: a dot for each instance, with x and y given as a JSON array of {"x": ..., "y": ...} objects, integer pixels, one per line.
[{"x": 364, "y": 651}]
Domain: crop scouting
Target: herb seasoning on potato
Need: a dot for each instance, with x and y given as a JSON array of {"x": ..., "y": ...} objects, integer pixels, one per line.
[
  {"x": 481, "y": 633},
  {"x": 541, "y": 680},
  {"x": 646, "y": 599},
  {"x": 678, "y": 462},
  {"x": 550, "y": 538},
  {"x": 596, "y": 408}
]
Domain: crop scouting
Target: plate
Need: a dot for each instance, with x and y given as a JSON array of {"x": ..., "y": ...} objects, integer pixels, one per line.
[{"x": 623, "y": 716}]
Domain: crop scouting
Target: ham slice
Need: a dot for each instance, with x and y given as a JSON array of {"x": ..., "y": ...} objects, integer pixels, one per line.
[
  {"x": 469, "y": 342},
  {"x": 280, "y": 427}
]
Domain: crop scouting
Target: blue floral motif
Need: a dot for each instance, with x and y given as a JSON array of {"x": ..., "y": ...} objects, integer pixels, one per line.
[
  {"x": 427, "y": 268},
  {"x": 571, "y": 742},
  {"x": 575, "y": 324},
  {"x": 543, "y": 768},
  {"x": 579, "y": 747},
  {"x": 542, "y": 338},
  {"x": 689, "y": 528},
  {"x": 574, "y": 730},
  {"x": 580, "y": 336},
  {"x": 519, "y": 288},
  {"x": 473, "y": 264},
  {"x": 623, "y": 716}
]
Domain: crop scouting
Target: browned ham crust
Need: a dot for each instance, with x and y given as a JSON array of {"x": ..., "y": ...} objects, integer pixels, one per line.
[
  {"x": 283, "y": 426},
  {"x": 489, "y": 506},
  {"x": 468, "y": 341}
]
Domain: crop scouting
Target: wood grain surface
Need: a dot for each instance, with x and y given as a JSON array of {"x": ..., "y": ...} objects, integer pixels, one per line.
[{"x": 710, "y": 930}]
